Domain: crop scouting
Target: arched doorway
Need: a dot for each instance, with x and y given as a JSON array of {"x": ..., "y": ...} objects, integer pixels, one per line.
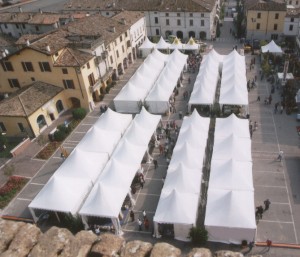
[
  {"x": 114, "y": 75},
  {"x": 125, "y": 63},
  {"x": 75, "y": 102},
  {"x": 41, "y": 122},
  {"x": 130, "y": 58},
  {"x": 192, "y": 34},
  {"x": 179, "y": 34},
  {"x": 168, "y": 33},
  {"x": 59, "y": 106},
  {"x": 120, "y": 69},
  {"x": 202, "y": 35}
]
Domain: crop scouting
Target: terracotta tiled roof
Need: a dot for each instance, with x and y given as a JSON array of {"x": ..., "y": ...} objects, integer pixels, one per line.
[
  {"x": 6, "y": 40},
  {"x": 129, "y": 16},
  {"x": 265, "y": 6},
  {"x": 72, "y": 58},
  {"x": 23, "y": 38},
  {"x": 29, "y": 99},
  {"x": 31, "y": 18},
  {"x": 55, "y": 40},
  {"x": 142, "y": 5}
]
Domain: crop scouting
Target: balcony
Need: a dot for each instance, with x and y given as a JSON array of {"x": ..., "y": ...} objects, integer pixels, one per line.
[{"x": 99, "y": 81}]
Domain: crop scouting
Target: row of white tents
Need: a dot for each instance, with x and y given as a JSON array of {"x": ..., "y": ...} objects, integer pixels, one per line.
[
  {"x": 232, "y": 71},
  {"x": 178, "y": 203},
  {"x": 163, "y": 45},
  {"x": 230, "y": 209},
  {"x": 152, "y": 84},
  {"x": 95, "y": 179}
]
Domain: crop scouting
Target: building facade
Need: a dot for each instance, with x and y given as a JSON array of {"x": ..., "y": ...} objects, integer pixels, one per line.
[
  {"x": 182, "y": 18},
  {"x": 292, "y": 22},
  {"x": 265, "y": 20},
  {"x": 81, "y": 58}
]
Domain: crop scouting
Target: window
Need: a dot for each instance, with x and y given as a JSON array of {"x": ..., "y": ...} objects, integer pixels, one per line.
[
  {"x": 296, "y": 2},
  {"x": 5, "y": 25},
  {"x": 111, "y": 60},
  {"x": 107, "y": 13},
  {"x": 167, "y": 22},
  {"x": 292, "y": 19},
  {"x": 291, "y": 27},
  {"x": 117, "y": 54},
  {"x": 178, "y": 22},
  {"x": 121, "y": 38},
  {"x": 157, "y": 32},
  {"x": 37, "y": 28},
  {"x": 7, "y": 66},
  {"x": 275, "y": 26},
  {"x": 2, "y": 127},
  {"x": 290, "y": 2},
  {"x": 123, "y": 49},
  {"x": 91, "y": 79},
  {"x": 126, "y": 34},
  {"x": 17, "y": 26},
  {"x": 64, "y": 70},
  {"x": 202, "y": 23},
  {"x": 23, "y": 26},
  {"x": 167, "y": 14},
  {"x": 276, "y": 16},
  {"x": 191, "y": 23},
  {"x": 27, "y": 66},
  {"x": 155, "y": 20},
  {"x": 257, "y": 25},
  {"x": 191, "y": 14},
  {"x": 32, "y": 79},
  {"x": 14, "y": 83},
  {"x": 178, "y": 14},
  {"x": 69, "y": 84},
  {"x": 202, "y": 14},
  {"x": 274, "y": 36},
  {"x": 88, "y": 65},
  {"x": 45, "y": 66},
  {"x": 258, "y": 15},
  {"x": 21, "y": 127}
]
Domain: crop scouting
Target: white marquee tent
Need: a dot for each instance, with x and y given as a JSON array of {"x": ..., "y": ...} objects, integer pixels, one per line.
[
  {"x": 146, "y": 47},
  {"x": 232, "y": 147},
  {"x": 231, "y": 175},
  {"x": 178, "y": 203},
  {"x": 158, "y": 97},
  {"x": 206, "y": 81},
  {"x": 78, "y": 173},
  {"x": 133, "y": 94},
  {"x": 179, "y": 209},
  {"x": 162, "y": 44},
  {"x": 120, "y": 171},
  {"x": 191, "y": 45},
  {"x": 272, "y": 47},
  {"x": 232, "y": 125},
  {"x": 234, "y": 82},
  {"x": 230, "y": 216}
]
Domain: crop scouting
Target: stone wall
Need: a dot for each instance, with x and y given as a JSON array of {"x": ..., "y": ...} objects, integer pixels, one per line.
[{"x": 20, "y": 239}]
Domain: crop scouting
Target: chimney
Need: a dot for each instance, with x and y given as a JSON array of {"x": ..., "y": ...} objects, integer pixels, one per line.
[
  {"x": 123, "y": 21},
  {"x": 72, "y": 18},
  {"x": 113, "y": 4},
  {"x": 112, "y": 29},
  {"x": 30, "y": 16},
  {"x": 3, "y": 54},
  {"x": 40, "y": 10},
  {"x": 48, "y": 48},
  {"x": 20, "y": 9},
  {"x": 27, "y": 42}
]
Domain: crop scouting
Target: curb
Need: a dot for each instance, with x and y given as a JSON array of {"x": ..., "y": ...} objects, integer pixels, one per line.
[{"x": 279, "y": 245}]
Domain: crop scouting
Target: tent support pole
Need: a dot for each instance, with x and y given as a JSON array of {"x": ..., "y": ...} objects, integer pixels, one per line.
[
  {"x": 57, "y": 216},
  {"x": 35, "y": 219}
]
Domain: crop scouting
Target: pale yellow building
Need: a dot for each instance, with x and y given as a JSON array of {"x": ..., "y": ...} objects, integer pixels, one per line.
[
  {"x": 265, "y": 20},
  {"x": 81, "y": 58},
  {"x": 30, "y": 110}
]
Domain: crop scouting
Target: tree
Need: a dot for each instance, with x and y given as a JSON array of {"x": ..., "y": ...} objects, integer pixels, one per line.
[{"x": 199, "y": 236}]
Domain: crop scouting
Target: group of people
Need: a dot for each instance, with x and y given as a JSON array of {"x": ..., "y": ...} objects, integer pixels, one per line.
[
  {"x": 260, "y": 210},
  {"x": 140, "y": 222},
  {"x": 193, "y": 62}
]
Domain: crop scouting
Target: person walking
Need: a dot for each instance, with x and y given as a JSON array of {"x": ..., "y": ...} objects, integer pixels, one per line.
[
  {"x": 280, "y": 155},
  {"x": 131, "y": 215},
  {"x": 140, "y": 224},
  {"x": 144, "y": 214},
  {"x": 267, "y": 204},
  {"x": 155, "y": 164}
]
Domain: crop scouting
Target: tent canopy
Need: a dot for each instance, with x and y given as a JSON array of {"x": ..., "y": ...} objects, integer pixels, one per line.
[
  {"x": 147, "y": 44},
  {"x": 174, "y": 207},
  {"x": 231, "y": 174},
  {"x": 162, "y": 44},
  {"x": 272, "y": 47}
]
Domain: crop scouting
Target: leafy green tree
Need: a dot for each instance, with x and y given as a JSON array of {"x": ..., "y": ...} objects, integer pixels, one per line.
[{"x": 199, "y": 236}]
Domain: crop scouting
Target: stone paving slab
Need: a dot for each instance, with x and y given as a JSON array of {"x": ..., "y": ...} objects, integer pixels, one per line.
[
  {"x": 275, "y": 194},
  {"x": 30, "y": 191},
  {"x": 269, "y": 178}
]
